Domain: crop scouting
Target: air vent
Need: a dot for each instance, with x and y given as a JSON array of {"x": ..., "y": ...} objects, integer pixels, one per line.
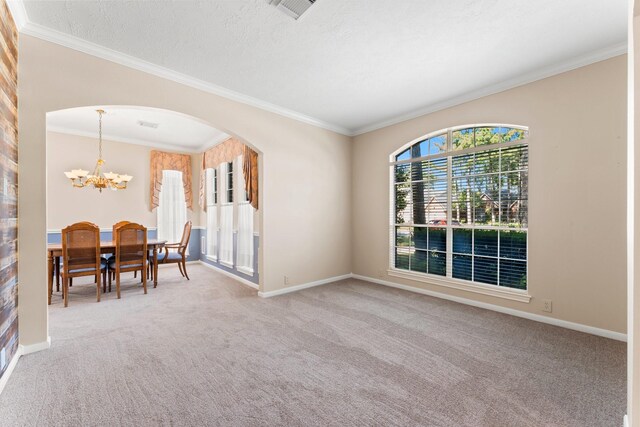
[
  {"x": 148, "y": 124},
  {"x": 293, "y": 8}
]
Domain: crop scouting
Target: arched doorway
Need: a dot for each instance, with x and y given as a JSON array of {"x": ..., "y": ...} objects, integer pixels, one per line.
[{"x": 130, "y": 136}]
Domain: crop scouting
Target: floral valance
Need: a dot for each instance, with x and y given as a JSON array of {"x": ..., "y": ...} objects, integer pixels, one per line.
[
  {"x": 161, "y": 161},
  {"x": 226, "y": 152}
]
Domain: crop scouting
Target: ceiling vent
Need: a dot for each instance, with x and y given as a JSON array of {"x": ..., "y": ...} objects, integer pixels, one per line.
[
  {"x": 148, "y": 124},
  {"x": 293, "y": 8}
]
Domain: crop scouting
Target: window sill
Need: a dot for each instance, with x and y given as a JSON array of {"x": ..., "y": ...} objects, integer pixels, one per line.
[
  {"x": 491, "y": 290},
  {"x": 245, "y": 270},
  {"x": 226, "y": 264},
  {"x": 212, "y": 258}
]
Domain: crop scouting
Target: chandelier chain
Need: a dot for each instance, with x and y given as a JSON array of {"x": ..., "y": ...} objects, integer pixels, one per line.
[{"x": 100, "y": 134}]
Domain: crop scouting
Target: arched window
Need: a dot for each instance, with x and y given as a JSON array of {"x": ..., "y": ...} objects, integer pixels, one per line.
[{"x": 460, "y": 205}]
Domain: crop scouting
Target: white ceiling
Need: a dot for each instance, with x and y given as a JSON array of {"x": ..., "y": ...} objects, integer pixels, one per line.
[
  {"x": 350, "y": 66},
  {"x": 175, "y": 131}
]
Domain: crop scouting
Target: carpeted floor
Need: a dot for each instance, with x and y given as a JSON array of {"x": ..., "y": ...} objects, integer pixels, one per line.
[{"x": 210, "y": 352}]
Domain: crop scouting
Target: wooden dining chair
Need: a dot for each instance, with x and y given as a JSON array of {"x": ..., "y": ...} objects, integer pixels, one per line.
[
  {"x": 112, "y": 258},
  {"x": 180, "y": 255},
  {"x": 58, "y": 268},
  {"x": 131, "y": 253},
  {"x": 81, "y": 256}
]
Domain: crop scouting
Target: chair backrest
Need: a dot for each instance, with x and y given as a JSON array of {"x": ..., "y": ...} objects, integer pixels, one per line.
[
  {"x": 131, "y": 245},
  {"x": 116, "y": 226},
  {"x": 186, "y": 235},
  {"x": 81, "y": 246}
]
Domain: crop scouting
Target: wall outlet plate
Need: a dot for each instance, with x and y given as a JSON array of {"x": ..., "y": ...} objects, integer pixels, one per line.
[
  {"x": 547, "y": 305},
  {"x": 286, "y": 280},
  {"x": 202, "y": 243}
]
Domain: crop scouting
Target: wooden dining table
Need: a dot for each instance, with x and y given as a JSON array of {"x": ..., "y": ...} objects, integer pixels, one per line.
[{"x": 106, "y": 247}]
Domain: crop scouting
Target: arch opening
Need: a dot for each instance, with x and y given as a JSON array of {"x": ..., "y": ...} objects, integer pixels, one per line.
[{"x": 130, "y": 135}]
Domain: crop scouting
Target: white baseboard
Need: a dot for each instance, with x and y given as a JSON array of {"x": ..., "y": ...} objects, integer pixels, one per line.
[
  {"x": 9, "y": 370},
  {"x": 233, "y": 276},
  {"x": 625, "y": 421},
  {"x": 536, "y": 317},
  {"x": 303, "y": 286},
  {"x": 32, "y": 348},
  {"x": 22, "y": 350}
]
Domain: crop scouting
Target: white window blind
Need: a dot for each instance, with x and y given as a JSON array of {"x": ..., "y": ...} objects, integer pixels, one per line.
[
  {"x": 211, "y": 185},
  {"x": 460, "y": 206},
  {"x": 172, "y": 207}
]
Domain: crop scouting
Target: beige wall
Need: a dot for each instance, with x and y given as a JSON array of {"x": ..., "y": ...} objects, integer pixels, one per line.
[
  {"x": 66, "y": 152},
  {"x": 305, "y": 178},
  {"x": 577, "y": 219},
  {"x": 309, "y": 220}
]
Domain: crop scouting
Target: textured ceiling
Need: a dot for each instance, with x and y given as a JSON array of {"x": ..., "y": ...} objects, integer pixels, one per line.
[
  {"x": 174, "y": 130},
  {"x": 353, "y": 64}
]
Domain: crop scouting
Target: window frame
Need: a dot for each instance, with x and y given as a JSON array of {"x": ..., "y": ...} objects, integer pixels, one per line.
[
  {"x": 520, "y": 295},
  {"x": 243, "y": 197},
  {"x": 214, "y": 184},
  {"x": 242, "y": 200}
]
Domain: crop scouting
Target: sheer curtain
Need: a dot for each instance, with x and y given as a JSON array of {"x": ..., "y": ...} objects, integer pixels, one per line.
[
  {"x": 245, "y": 230},
  {"x": 212, "y": 213},
  {"x": 226, "y": 220},
  {"x": 172, "y": 207}
]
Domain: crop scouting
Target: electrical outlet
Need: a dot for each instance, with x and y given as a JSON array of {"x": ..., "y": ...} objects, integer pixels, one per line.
[
  {"x": 202, "y": 245},
  {"x": 286, "y": 280},
  {"x": 3, "y": 358},
  {"x": 546, "y": 305}
]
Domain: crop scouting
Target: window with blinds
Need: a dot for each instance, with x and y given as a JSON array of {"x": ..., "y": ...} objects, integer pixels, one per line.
[{"x": 460, "y": 204}]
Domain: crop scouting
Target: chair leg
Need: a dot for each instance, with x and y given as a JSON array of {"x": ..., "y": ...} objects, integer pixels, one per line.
[
  {"x": 57, "y": 268},
  {"x": 135, "y": 274},
  {"x": 184, "y": 267},
  {"x": 70, "y": 281},
  {"x": 110, "y": 276},
  {"x": 143, "y": 273},
  {"x": 98, "y": 276},
  {"x": 117, "y": 274},
  {"x": 65, "y": 290},
  {"x": 180, "y": 268},
  {"x": 104, "y": 281}
]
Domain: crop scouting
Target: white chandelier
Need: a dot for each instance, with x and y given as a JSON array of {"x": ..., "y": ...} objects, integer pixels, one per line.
[{"x": 80, "y": 178}]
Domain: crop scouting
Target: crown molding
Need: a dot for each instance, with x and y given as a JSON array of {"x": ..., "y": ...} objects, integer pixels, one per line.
[
  {"x": 84, "y": 46},
  {"x": 539, "y": 74},
  {"x": 134, "y": 141},
  {"x": 29, "y": 28}
]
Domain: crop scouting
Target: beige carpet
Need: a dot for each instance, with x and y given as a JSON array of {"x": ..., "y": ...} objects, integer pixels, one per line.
[{"x": 210, "y": 352}]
